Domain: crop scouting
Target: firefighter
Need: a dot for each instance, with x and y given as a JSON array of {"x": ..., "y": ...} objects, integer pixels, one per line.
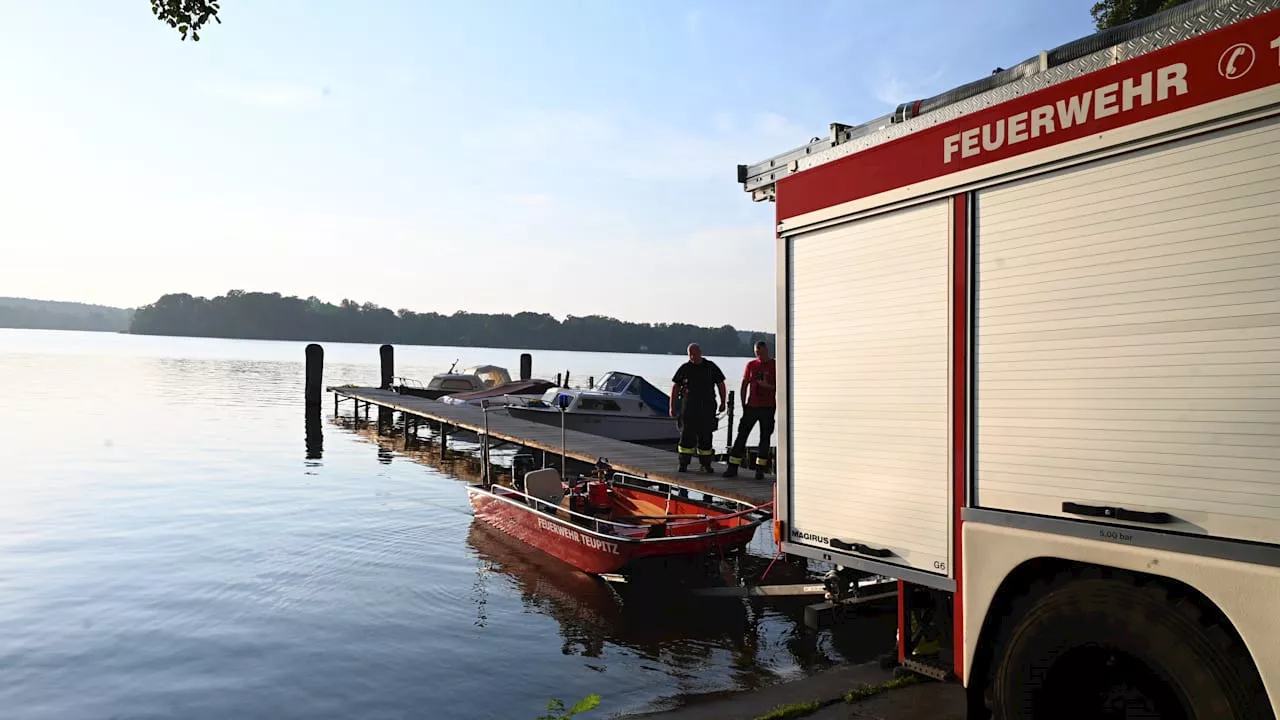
[
  {"x": 758, "y": 405},
  {"x": 694, "y": 382}
]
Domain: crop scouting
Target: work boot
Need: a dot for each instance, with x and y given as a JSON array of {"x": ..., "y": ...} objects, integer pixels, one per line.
[
  {"x": 731, "y": 471},
  {"x": 759, "y": 473}
]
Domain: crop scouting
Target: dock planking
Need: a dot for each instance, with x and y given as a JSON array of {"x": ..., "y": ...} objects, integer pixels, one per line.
[{"x": 638, "y": 460}]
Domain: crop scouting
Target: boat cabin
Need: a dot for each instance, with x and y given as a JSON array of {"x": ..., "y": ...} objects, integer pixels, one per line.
[{"x": 617, "y": 392}]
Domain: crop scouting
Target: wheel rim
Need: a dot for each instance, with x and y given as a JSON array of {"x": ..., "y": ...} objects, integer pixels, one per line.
[{"x": 1099, "y": 681}]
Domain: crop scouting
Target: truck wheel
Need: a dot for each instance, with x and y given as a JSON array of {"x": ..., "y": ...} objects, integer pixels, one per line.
[{"x": 1089, "y": 645}]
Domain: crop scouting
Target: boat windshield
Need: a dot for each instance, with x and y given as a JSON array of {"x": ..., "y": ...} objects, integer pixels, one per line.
[{"x": 616, "y": 382}]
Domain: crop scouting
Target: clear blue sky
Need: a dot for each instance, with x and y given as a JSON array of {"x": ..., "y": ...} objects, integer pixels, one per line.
[{"x": 566, "y": 157}]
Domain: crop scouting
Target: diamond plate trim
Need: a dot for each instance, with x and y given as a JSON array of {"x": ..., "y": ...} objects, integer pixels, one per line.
[{"x": 1208, "y": 20}]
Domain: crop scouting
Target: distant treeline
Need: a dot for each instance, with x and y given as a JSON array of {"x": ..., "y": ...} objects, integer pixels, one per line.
[
  {"x": 270, "y": 316},
  {"x": 50, "y": 315}
]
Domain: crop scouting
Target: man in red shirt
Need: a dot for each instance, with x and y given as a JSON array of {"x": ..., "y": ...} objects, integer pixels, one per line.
[{"x": 759, "y": 382}]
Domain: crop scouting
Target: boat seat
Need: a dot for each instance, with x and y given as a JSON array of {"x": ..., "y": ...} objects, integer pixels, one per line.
[{"x": 545, "y": 485}]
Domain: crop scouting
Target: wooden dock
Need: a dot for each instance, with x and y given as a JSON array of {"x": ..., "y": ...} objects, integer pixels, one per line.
[{"x": 630, "y": 458}]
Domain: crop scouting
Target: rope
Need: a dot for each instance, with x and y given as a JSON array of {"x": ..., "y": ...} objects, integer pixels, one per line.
[{"x": 766, "y": 570}]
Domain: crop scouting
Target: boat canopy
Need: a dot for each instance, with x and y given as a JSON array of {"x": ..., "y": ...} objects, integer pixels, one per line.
[
  {"x": 628, "y": 384},
  {"x": 491, "y": 375}
]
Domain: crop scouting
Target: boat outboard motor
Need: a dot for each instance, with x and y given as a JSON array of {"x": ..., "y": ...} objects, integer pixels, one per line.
[
  {"x": 598, "y": 496},
  {"x": 521, "y": 464}
]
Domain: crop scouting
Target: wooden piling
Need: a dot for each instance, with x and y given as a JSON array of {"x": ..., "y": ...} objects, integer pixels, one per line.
[
  {"x": 388, "y": 356},
  {"x": 315, "y": 376},
  {"x": 526, "y": 366},
  {"x": 558, "y": 383},
  {"x": 314, "y": 391},
  {"x": 591, "y": 382}
]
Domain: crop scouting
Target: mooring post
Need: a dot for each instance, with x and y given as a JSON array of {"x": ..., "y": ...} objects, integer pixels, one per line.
[
  {"x": 388, "y": 355},
  {"x": 314, "y": 389},
  {"x": 591, "y": 382},
  {"x": 444, "y": 439},
  {"x": 336, "y": 398},
  {"x": 558, "y": 383},
  {"x": 315, "y": 376},
  {"x": 526, "y": 366},
  {"x": 566, "y": 378}
]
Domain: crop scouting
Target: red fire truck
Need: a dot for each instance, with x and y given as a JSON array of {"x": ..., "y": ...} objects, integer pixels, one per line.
[{"x": 1029, "y": 364}]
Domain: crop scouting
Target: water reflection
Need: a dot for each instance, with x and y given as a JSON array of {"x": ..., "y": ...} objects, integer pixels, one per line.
[
  {"x": 314, "y": 436},
  {"x": 592, "y": 612}
]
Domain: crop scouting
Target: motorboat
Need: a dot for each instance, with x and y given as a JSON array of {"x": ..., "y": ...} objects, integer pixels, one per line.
[
  {"x": 613, "y": 523},
  {"x": 516, "y": 391},
  {"x": 472, "y": 379},
  {"x": 622, "y": 406}
]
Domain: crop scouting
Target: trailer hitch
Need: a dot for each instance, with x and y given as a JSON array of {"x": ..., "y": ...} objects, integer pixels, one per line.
[{"x": 842, "y": 583}]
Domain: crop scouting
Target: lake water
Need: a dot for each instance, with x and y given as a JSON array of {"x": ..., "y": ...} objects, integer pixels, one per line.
[{"x": 168, "y": 550}]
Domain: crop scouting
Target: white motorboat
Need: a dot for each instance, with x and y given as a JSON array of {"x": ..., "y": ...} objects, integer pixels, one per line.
[
  {"x": 479, "y": 377},
  {"x": 515, "y": 391},
  {"x": 622, "y": 406}
]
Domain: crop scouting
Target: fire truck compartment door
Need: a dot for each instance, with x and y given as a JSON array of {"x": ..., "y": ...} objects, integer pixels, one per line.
[
  {"x": 1128, "y": 339},
  {"x": 868, "y": 388}
]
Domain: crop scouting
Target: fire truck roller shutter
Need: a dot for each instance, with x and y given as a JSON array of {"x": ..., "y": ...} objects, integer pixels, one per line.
[
  {"x": 1128, "y": 371},
  {"x": 868, "y": 374},
  {"x": 1128, "y": 339}
]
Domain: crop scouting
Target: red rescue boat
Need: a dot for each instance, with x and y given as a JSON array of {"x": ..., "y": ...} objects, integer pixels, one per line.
[{"x": 605, "y": 526}]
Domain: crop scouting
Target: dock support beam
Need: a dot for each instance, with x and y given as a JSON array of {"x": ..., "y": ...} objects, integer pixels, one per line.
[
  {"x": 444, "y": 440},
  {"x": 526, "y": 366}
]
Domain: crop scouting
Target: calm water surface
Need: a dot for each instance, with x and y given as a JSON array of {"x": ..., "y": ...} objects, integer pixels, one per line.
[{"x": 168, "y": 550}]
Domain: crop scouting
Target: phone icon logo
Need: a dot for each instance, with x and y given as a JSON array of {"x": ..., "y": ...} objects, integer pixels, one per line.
[{"x": 1236, "y": 61}]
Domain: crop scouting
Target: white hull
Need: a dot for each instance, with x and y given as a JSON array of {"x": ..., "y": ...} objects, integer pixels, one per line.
[
  {"x": 618, "y": 427},
  {"x": 494, "y": 402}
]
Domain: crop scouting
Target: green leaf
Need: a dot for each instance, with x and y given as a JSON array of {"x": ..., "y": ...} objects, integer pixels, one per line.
[{"x": 585, "y": 704}]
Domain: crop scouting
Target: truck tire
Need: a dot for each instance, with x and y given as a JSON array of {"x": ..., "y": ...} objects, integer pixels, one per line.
[{"x": 1090, "y": 644}]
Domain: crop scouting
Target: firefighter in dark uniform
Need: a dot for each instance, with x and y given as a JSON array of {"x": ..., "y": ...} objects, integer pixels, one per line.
[
  {"x": 695, "y": 381},
  {"x": 759, "y": 381}
]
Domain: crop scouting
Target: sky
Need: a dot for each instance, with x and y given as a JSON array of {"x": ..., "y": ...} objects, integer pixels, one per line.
[{"x": 574, "y": 158}]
